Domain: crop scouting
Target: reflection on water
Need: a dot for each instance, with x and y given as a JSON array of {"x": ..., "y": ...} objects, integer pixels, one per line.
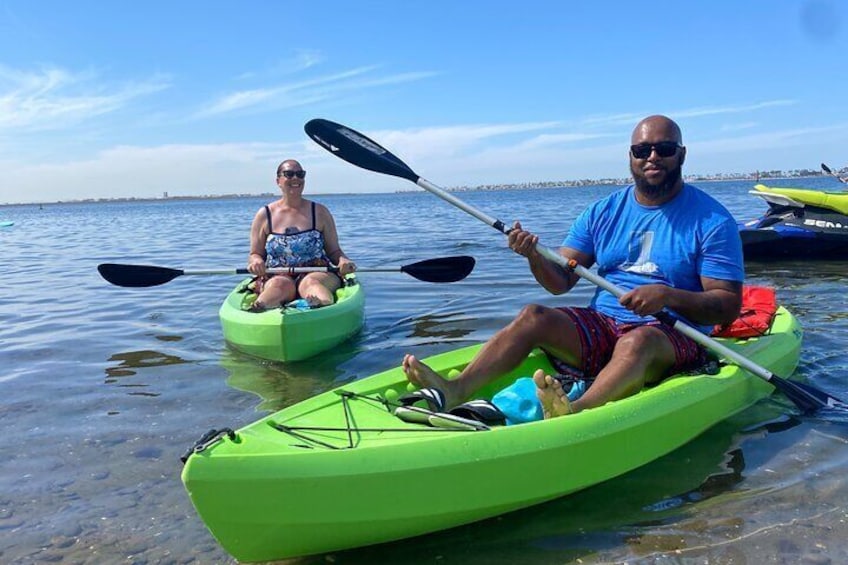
[
  {"x": 441, "y": 326},
  {"x": 168, "y": 338},
  {"x": 99, "y": 482},
  {"x": 131, "y": 361},
  {"x": 279, "y": 384},
  {"x": 730, "y": 474},
  {"x": 785, "y": 508},
  {"x": 715, "y": 484},
  {"x": 138, "y": 360}
]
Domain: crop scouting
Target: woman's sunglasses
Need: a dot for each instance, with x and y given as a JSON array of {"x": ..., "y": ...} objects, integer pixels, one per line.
[
  {"x": 292, "y": 174},
  {"x": 664, "y": 149}
]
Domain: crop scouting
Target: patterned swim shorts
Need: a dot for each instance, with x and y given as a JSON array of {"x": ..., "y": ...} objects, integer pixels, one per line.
[{"x": 598, "y": 336}]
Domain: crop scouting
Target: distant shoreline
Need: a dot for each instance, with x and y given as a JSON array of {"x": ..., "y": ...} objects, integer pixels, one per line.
[
  {"x": 753, "y": 177},
  {"x": 772, "y": 175}
]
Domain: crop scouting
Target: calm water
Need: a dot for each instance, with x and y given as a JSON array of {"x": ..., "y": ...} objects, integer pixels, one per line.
[{"x": 103, "y": 388}]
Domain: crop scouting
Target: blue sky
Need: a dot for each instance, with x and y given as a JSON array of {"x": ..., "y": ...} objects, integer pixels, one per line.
[{"x": 121, "y": 99}]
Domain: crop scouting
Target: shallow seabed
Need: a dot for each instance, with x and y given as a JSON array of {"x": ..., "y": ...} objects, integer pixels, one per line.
[{"x": 104, "y": 388}]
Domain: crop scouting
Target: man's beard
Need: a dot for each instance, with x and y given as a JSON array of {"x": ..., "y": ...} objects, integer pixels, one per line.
[{"x": 655, "y": 191}]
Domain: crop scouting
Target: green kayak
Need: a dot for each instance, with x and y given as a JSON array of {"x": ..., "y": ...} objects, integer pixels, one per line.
[
  {"x": 837, "y": 201},
  {"x": 339, "y": 470},
  {"x": 291, "y": 334}
]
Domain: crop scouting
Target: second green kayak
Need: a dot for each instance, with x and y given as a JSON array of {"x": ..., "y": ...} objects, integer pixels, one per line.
[
  {"x": 340, "y": 470},
  {"x": 290, "y": 334}
]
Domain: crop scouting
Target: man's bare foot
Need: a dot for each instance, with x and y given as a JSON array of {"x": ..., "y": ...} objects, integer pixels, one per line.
[
  {"x": 551, "y": 395},
  {"x": 423, "y": 376}
]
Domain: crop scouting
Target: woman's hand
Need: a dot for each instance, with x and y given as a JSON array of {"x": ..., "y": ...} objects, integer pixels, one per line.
[
  {"x": 346, "y": 266},
  {"x": 256, "y": 265}
]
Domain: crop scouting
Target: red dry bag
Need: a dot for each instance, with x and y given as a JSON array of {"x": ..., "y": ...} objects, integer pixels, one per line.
[{"x": 759, "y": 306}]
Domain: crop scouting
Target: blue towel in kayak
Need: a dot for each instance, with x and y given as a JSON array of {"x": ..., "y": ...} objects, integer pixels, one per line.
[
  {"x": 299, "y": 304},
  {"x": 520, "y": 404}
]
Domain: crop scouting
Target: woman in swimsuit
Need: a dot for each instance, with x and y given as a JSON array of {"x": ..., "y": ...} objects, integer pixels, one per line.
[{"x": 295, "y": 232}]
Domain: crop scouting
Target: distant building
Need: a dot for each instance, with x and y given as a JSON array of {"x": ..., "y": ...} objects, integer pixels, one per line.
[{"x": 165, "y": 194}]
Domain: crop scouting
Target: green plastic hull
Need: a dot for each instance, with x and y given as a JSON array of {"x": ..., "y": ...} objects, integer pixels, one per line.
[
  {"x": 270, "y": 494},
  {"x": 289, "y": 334},
  {"x": 837, "y": 201}
]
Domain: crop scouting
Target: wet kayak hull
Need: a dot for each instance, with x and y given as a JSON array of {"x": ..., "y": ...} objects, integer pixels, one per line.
[
  {"x": 289, "y": 334},
  {"x": 339, "y": 470}
]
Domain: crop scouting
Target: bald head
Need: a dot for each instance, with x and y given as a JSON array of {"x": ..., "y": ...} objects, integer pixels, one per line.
[
  {"x": 656, "y": 128},
  {"x": 656, "y": 159}
]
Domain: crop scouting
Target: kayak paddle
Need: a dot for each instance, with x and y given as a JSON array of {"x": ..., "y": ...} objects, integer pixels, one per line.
[
  {"x": 826, "y": 169},
  {"x": 441, "y": 270},
  {"x": 359, "y": 150}
]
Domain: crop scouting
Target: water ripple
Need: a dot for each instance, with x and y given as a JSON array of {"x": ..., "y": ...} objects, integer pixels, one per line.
[{"x": 105, "y": 387}]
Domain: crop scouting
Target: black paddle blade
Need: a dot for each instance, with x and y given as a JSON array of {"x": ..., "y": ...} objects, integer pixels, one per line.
[
  {"x": 807, "y": 398},
  {"x": 357, "y": 149},
  {"x": 136, "y": 276},
  {"x": 442, "y": 270},
  {"x": 826, "y": 169}
]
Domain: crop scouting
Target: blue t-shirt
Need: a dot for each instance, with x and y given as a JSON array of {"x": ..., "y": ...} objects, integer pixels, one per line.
[{"x": 675, "y": 244}]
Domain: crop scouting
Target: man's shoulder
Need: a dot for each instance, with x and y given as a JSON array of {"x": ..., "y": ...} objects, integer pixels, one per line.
[
  {"x": 698, "y": 192},
  {"x": 703, "y": 197}
]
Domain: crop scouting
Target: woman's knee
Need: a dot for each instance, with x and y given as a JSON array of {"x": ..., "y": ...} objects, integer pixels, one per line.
[
  {"x": 279, "y": 285},
  {"x": 317, "y": 282}
]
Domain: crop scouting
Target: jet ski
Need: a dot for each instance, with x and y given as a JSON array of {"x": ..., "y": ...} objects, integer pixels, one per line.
[{"x": 799, "y": 224}]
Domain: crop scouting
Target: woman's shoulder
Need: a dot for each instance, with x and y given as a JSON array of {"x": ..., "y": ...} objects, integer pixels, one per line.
[
  {"x": 262, "y": 211},
  {"x": 320, "y": 209},
  {"x": 323, "y": 217}
]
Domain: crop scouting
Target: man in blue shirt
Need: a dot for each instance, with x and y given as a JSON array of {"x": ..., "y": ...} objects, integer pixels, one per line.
[{"x": 670, "y": 244}]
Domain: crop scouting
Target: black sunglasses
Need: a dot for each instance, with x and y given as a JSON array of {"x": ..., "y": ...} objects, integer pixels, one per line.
[
  {"x": 292, "y": 174},
  {"x": 663, "y": 148}
]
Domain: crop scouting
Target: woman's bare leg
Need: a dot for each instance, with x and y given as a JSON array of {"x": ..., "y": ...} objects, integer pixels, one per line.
[
  {"x": 320, "y": 287},
  {"x": 277, "y": 290}
]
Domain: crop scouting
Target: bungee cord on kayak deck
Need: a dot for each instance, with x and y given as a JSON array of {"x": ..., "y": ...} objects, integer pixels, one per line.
[
  {"x": 215, "y": 435},
  {"x": 383, "y": 402}
]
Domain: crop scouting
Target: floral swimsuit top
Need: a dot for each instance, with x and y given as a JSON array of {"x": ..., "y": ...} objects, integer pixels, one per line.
[{"x": 293, "y": 248}]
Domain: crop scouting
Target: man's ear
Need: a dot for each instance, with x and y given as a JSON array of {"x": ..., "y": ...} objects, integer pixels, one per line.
[{"x": 682, "y": 156}]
